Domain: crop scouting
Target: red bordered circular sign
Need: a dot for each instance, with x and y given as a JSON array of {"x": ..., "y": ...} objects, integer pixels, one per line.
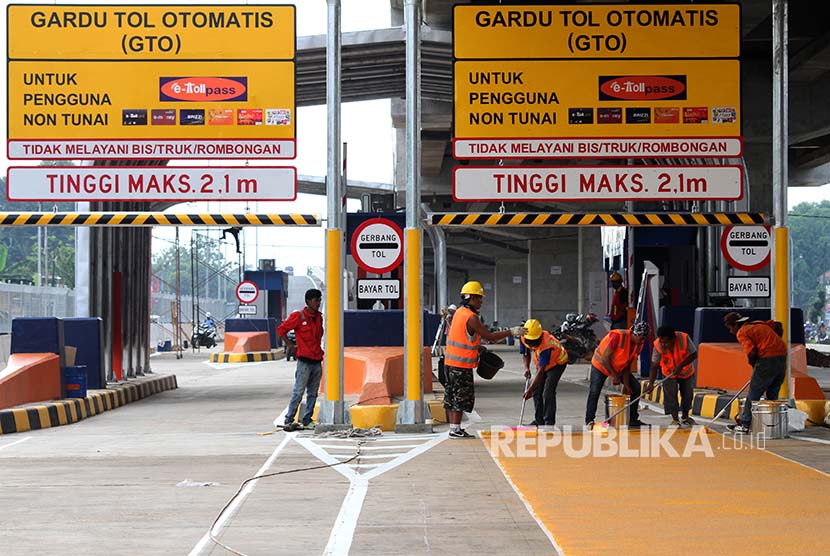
[
  {"x": 746, "y": 247},
  {"x": 247, "y": 292},
  {"x": 377, "y": 245}
]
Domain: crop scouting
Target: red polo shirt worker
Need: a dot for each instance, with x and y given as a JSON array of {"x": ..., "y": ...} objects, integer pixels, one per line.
[
  {"x": 618, "y": 315},
  {"x": 308, "y": 330}
]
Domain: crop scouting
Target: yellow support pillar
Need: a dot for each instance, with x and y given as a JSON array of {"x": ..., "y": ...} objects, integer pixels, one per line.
[
  {"x": 782, "y": 294},
  {"x": 414, "y": 342},
  {"x": 334, "y": 312}
]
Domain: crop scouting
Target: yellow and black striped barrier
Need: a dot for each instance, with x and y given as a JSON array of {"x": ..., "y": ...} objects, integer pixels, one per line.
[
  {"x": 250, "y": 357},
  {"x": 705, "y": 403},
  {"x": 153, "y": 219},
  {"x": 54, "y": 413},
  {"x": 597, "y": 219}
]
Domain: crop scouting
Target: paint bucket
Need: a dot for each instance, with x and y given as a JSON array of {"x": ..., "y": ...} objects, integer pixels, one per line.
[
  {"x": 769, "y": 419},
  {"x": 74, "y": 382},
  {"x": 489, "y": 364},
  {"x": 614, "y": 404}
]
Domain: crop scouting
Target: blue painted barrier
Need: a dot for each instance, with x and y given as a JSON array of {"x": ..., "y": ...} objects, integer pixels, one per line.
[
  {"x": 709, "y": 323},
  {"x": 86, "y": 334},
  {"x": 382, "y": 328},
  {"x": 38, "y": 335}
]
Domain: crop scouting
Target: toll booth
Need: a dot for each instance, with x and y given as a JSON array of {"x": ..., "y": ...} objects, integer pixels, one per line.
[
  {"x": 673, "y": 250},
  {"x": 273, "y": 293}
]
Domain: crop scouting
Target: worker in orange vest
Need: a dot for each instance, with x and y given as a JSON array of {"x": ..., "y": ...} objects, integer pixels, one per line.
[
  {"x": 551, "y": 359},
  {"x": 619, "y": 303},
  {"x": 613, "y": 358},
  {"x": 461, "y": 355},
  {"x": 674, "y": 352},
  {"x": 767, "y": 353}
]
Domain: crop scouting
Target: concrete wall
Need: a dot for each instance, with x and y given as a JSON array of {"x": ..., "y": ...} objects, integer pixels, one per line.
[
  {"x": 512, "y": 296},
  {"x": 554, "y": 295}
]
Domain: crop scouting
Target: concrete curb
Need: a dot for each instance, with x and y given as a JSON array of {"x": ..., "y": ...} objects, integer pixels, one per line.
[
  {"x": 254, "y": 356},
  {"x": 71, "y": 410}
]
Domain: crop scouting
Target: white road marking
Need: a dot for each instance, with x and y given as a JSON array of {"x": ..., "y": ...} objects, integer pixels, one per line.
[
  {"x": 231, "y": 509},
  {"x": 342, "y": 533},
  {"x": 809, "y": 439},
  {"x": 10, "y": 444},
  {"x": 234, "y": 365},
  {"x": 330, "y": 447},
  {"x": 376, "y": 456}
]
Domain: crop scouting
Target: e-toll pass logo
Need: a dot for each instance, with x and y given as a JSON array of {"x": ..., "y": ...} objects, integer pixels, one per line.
[
  {"x": 203, "y": 89},
  {"x": 642, "y": 87}
]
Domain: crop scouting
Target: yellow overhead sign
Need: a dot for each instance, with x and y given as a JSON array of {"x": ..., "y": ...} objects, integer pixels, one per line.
[
  {"x": 597, "y": 98},
  {"x": 161, "y": 32},
  {"x": 598, "y": 31},
  {"x": 140, "y": 100}
]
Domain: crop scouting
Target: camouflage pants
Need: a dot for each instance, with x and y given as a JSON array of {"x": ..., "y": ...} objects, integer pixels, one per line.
[{"x": 459, "y": 393}]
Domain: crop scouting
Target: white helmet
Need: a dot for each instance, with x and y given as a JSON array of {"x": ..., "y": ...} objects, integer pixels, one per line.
[{"x": 208, "y": 315}]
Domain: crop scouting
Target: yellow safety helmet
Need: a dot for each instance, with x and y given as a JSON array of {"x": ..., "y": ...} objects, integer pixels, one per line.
[
  {"x": 615, "y": 276},
  {"x": 472, "y": 288},
  {"x": 534, "y": 329}
]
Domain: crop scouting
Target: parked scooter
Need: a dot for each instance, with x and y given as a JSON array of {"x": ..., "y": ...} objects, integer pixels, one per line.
[{"x": 577, "y": 335}]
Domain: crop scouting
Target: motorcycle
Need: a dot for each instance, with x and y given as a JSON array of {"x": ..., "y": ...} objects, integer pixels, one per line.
[
  {"x": 577, "y": 335},
  {"x": 204, "y": 336}
]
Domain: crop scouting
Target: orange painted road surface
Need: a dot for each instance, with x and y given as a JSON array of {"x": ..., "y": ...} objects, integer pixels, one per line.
[{"x": 739, "y": 501}]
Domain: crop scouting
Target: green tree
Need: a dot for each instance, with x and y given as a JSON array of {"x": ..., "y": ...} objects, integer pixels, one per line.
[
  {"x": 20, "y": 243},
  {"x": 817, "y": 302},
  {"x": 210, "y": 264},
  {"x": 810, "y": 231}
]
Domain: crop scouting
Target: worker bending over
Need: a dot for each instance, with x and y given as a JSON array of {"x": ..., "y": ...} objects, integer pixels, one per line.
[
  {"x": 674, "y": 352},
  {"x": 767, "y": 353},
  {"x": 613, "y": 358},
  {"x": 550, "y": 359}
]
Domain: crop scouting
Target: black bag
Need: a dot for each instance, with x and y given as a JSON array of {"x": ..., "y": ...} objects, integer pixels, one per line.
[{"x": 442, "y": 371}]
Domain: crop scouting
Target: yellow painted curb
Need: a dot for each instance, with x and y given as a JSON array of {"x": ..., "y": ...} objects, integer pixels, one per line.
[
  {"x": 367, "y": 416},
  {"x": 816, "y": 410}
]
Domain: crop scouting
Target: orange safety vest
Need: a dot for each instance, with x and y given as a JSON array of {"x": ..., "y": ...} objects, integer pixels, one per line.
[
  {"x": 558, "y": 354},
  {"x": 670, "y": 359},
  {"x": 460, "y": 351},
  {"x": 622, "y": 356}
]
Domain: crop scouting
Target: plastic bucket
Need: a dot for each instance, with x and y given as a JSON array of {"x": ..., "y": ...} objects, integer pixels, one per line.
[
  {"x": 489, "y": 364},
  {"x": 614, "y": 404},
  {"x": 769, "y": 419}
]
